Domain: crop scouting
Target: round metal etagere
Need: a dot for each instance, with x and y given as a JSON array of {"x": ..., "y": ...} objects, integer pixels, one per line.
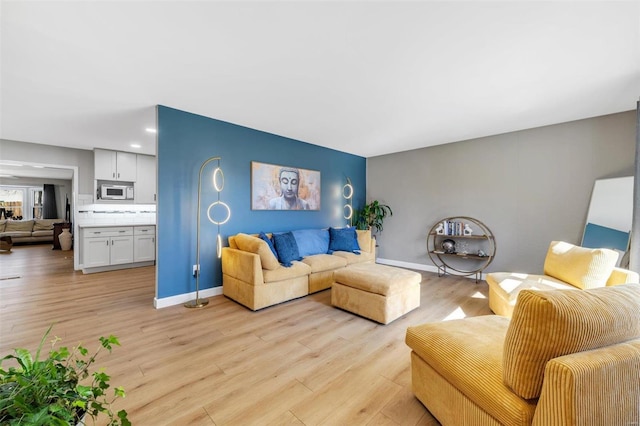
[{"x": 471, "y": 249}]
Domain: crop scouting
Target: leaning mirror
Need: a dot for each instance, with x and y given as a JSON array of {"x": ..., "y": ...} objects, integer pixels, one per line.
[{"x": 610, "y": 215}]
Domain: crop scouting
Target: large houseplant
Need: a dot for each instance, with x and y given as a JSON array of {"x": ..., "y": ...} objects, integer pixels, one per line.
[
  {"x": 49, "y": 391},
  {"x": 372, "y": 216}
]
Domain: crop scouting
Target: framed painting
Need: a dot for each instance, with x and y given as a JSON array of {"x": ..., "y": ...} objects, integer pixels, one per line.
[{"x": 275, "y": 187}]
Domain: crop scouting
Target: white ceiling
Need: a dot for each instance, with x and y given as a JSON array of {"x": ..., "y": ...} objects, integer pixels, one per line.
[
  {"x": 368, "y": 78},
  {"x": 14, "y": 171}
]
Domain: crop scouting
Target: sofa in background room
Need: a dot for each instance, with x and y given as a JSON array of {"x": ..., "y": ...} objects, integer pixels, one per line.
[{"x": 28, "y": 231}]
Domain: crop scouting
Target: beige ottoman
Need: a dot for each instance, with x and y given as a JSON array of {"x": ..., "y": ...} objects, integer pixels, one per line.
[{"x": 378, "y": 292}]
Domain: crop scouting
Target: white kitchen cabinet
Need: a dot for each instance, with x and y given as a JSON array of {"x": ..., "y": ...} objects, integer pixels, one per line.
[
  {"x": 114, "y": 165},
  {"x": 95, "y": 252},
  {"x": 107, "y": 246},
  {"x": 145, "y": 186},
  {"x": 121, "y": 249},
  {"x": 144, "y": 243}
]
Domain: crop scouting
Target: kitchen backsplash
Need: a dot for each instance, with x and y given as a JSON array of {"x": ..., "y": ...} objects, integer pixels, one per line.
[{"x": 114, "y": 214}]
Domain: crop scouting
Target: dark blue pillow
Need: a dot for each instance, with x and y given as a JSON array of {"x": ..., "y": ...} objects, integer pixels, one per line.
[
  {"x": 265, "y": 238},
  {"x": 343, "y": 239},
  {"x": 286, "y": 247}
]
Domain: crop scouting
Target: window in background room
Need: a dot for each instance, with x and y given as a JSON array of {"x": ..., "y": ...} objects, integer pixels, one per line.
[
  {"x": 36, "y": 196},
  {"x": 21, "y": 202},
  {"x": 12, "y": 200}
]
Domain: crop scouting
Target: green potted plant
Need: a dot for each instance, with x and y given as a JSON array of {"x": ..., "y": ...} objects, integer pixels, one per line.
[
  {"x": 372, "y": 215},
  {"x": 52, "y": 390}
]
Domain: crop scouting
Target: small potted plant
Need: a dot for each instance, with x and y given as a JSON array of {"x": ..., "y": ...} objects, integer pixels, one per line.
[
  {"x": 372, "y": 216},
  {"x": 52, "y": 390}
]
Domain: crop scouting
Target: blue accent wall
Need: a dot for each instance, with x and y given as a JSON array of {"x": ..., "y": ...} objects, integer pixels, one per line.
[{"x": 185, "y": 142}]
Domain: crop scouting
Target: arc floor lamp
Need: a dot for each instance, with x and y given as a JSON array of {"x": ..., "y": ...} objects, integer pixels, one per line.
[{"x": 218, "y": 185}]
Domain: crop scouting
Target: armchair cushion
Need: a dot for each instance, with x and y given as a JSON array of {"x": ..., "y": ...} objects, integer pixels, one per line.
[
  {"x": 467, "y": 354},
  {"x": 579, "y": 266},
  {"x": 549, "y": 324}
]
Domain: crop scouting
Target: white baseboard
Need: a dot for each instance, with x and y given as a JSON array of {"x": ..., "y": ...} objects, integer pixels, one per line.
[
  {"x": 420, "y": 267},
  {"x": 186, "y": 297},
  {"x": 217, "y": 291}
]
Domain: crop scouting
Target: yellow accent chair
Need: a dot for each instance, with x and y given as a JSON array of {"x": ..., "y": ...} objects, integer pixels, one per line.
[
  {"x": 565, "y": 358},
  {"x": 566, "y": 266}
]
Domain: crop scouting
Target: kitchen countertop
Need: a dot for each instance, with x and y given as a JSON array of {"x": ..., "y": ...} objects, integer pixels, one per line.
[{"x": 111, "y": 225}]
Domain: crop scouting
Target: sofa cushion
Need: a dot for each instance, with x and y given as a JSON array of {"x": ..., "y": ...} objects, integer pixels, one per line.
[
  {"x": 16, "y": 234},
  {"x": 509, "y": 284},
  {"x": 353, "y": 258},
  {"x": 45, "y": 224},
  {"x": 256, "y": 245},
  {"x": 297, "y": 269},
  {"x": 2, "y": 224},
  {"x": 286, "y": 247},
  {"x": 324, "y": 262},
  {"x": 42, "y": 234},
  {"x": 19, "y": 226},
  {"x": 312, "y": 241},
  {"x": 579, "y": 266},
  {"x": 343, "y": 239},
  {"x": 548, "y": 324}
]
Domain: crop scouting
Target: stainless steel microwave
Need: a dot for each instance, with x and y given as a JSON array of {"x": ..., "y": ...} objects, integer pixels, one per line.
[{"x": 116, "y": 192}]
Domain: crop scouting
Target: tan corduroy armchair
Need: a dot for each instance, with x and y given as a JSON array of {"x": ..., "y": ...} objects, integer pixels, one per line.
[
  {"x": 566, "y": 266},
  {"x": 565, "y": 358}
]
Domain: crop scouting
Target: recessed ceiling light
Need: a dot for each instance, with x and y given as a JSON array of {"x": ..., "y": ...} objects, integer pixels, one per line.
[
  {"x": 151, "y": 130},
  {"x": 135, "y": 145}
]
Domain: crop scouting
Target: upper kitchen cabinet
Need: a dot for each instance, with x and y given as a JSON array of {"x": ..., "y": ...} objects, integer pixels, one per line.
[
  {"x": 115, "y": 165},
  {"x": 145, "y": 186}
]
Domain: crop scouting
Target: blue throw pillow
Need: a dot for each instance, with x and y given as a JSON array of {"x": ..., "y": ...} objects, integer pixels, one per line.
[
  {"x": 286, "y": 247},
  {"x": 343, "y": 239},
  {"x": 265, "y": 238},
  {"x": 312, "y": 241}
]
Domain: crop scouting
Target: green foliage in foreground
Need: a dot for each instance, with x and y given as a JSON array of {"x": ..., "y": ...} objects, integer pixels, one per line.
[{"x": 48, "y": 391}]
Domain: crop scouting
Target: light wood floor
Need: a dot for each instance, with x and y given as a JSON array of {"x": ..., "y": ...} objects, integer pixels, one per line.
[{"x": 302, "y": 362}]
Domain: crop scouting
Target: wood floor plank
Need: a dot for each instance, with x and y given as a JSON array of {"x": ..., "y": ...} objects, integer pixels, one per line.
[{"x": 302, "y": 363}]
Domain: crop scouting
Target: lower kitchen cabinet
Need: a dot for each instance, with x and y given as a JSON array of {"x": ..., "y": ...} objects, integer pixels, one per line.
[
  {"x": 117, "y": 247},
  {"x": 144, "y": 243}
]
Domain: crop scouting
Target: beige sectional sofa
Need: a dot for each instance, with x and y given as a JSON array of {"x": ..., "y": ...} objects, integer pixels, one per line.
[
  {"x": 566, "y": 266},
  {"x": 565, "y": 358},
  {"x": 252, "y": 276},
  {"x": 28, "y": 231}
]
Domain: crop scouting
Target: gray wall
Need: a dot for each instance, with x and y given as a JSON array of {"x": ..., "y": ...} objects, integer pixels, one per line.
[
  {"x": 53, "y": 155},
  {"x": 529, "y": 187}
]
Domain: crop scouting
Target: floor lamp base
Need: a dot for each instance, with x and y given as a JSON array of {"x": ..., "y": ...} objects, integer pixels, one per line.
[{"x": 198, "y": 303}]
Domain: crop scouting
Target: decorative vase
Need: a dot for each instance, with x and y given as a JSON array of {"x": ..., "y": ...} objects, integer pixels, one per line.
[{"x": 65, "y": 239}]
